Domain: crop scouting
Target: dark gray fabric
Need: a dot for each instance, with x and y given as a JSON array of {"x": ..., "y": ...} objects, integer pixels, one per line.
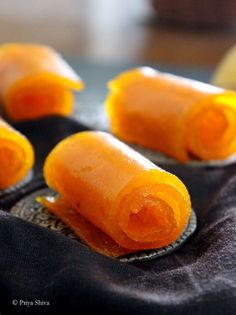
[{"x": 39, "y": 264}]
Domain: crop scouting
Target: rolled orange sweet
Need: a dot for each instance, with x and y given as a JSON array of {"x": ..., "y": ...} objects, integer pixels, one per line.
[
  {"x": 112, "y": 197},
  {"x": 35, "y": 81},
  {"x": 16, "y": 156},
  {"x": 180, "y": 117}
]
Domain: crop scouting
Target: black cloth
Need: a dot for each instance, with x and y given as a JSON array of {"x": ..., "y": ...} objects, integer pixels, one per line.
[{"x": 39, "y": 265}]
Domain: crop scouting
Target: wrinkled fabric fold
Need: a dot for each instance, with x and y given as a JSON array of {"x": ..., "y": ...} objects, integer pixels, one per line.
[
  {"x": 40, "y": 264},
  {"x": 200, "y": 276}
]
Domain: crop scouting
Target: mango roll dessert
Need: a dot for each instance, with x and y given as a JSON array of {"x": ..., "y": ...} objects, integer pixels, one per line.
[
  {"x": 16, "y": 156},
  {"x": 179, "y": 117},
  {"x": 35, "y": 81},
  {"x": 116, "y": 200}
]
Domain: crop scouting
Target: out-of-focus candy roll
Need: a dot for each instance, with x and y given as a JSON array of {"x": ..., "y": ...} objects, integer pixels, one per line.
[
  {"x": 225, "y": 73},
  {"x": 16, "y": 156},
  {"x": 35, "y": 81},
  {"x": 179, "y": 117},
  {"x": 105, "y": 186}
]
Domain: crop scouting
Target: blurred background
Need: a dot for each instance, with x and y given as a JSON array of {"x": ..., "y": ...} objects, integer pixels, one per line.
[
  {"x": 164, "y": 31},
  {"x": 102, "y": 38}
]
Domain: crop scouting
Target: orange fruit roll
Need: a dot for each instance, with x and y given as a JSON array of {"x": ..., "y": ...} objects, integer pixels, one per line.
[
  {"x": 116, "y": 200},
  {"x": 180, "y": 117},
  {"x": 35, "y": 82},
  {"x": 16, "y": 156}
]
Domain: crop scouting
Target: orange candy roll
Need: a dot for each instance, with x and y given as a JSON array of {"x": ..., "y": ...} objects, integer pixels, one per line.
[
  {"x": 16, "y": 156},
  {"x": 112, "y": 197},
  {"x": 35, "y": 81},
  {"x": 180, "y": 117}
]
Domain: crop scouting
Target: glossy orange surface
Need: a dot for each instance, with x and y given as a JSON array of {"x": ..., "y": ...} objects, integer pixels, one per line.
[
  {"x": 35, "y": 81},
  {"x": 170, "y": 114},
  {"x": 133, "y": 202},
  {"x": 16, "y": 156}
]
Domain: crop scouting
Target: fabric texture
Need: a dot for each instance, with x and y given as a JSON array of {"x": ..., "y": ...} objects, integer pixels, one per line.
[{"x": 37, "y": 264}]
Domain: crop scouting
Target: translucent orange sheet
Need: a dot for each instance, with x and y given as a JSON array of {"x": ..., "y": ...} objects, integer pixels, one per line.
[
  {"x": 179, "y": 117},
  {"x": 16, "y": 156},
  {"x": 134, "y": 204},
  {"x": 35, "y": 81}
]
